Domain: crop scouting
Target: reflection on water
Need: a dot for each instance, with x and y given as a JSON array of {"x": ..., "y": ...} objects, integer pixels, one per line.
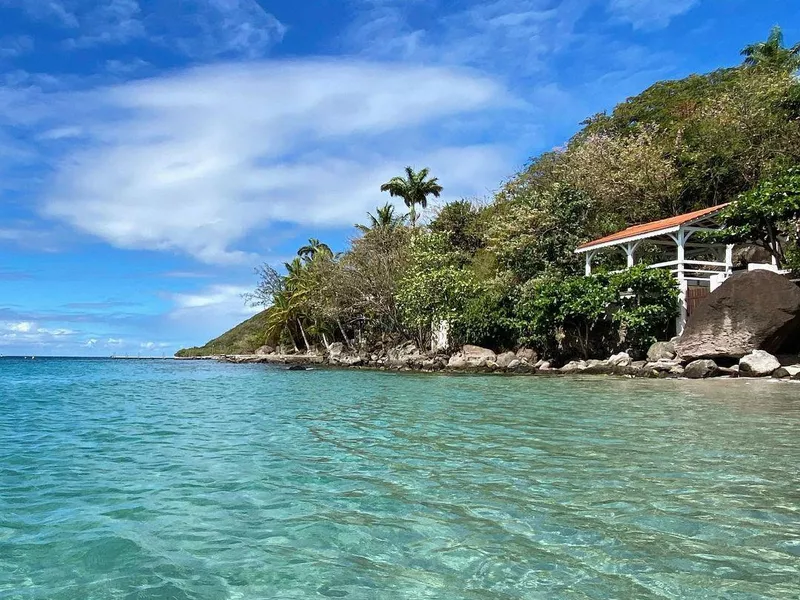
[{"x": 196, "y": 480}]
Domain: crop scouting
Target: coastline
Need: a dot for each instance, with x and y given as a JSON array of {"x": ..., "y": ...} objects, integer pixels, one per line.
[{"x": 617, "y": 366}]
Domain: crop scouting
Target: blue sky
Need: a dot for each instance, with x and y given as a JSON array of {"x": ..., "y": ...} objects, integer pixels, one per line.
[{"x": 153, "y": 152}]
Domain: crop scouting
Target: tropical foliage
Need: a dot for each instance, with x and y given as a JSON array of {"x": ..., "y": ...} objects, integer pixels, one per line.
[
  {"x": 414, "y": 189},
  {"x": 503, "y": 272}
]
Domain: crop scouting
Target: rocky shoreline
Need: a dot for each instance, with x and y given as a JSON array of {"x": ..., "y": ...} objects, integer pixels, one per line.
[{"x": 661, "y": 363}]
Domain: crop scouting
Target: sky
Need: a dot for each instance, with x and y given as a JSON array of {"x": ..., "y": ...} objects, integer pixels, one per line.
[{"x": 154, "y": 152}]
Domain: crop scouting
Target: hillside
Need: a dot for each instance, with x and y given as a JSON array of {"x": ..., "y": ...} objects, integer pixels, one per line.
[{"x": 245, "y": 338}]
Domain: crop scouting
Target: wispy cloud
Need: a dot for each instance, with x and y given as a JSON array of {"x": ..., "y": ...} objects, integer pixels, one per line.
[
  {"x": 15, "y": 45},
  {"x": 198, "y": 29},
  {"x": 197, "y": 161},
  {"x": 650, "y": 14}
]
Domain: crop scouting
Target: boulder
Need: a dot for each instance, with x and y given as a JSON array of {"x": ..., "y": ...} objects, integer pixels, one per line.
[
  {"x": 336, "y": 349},
  {"x": 661, "y": 351},
  {"x": 701, "y": 369},
  {"x": 575, "y": 366},
  {"x": 599, "y": 367},
  {"x": 623, "y": 359},
  {"x": 665, "y": 366},
  {"x": 514, "y": 364},
  {"x": 264, "y": 350},
  {"x": 505, "y": 359},
  {"x": 457, "y": 361},
  {"x": 527, "y": 354},
  {"x": 758, "y": 364},
  {"x": 404, "y": 355},
  {"x": 754, "y": 310},
  {"x": 476, "y": 354},
  {"x": 788, "y": 372}
]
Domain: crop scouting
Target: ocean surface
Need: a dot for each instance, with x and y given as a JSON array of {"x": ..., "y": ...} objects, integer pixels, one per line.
[{"x": 196, "y": 480}]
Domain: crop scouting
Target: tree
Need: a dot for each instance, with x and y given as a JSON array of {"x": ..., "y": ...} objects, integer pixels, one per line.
[
  {"x": 385, "y": 219},
  {"x": 767, "y": 216},
  {"x": 772, "y": 53},
  {"x": 414, "y": 189},
  {"x": 460, "y": 221},
  {"x": 314, "y": 248}
]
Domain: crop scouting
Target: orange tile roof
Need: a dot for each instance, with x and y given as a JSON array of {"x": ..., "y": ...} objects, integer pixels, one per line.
[{"x": 654, "y": 226}]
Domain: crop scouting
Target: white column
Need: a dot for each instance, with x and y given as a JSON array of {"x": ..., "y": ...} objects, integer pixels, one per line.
[
  {"x": 629, "y": 248},
  {"x": 683, "y": 285},
  {"x": 728, "y": 259},
  {"x": 589, "y": 256}
]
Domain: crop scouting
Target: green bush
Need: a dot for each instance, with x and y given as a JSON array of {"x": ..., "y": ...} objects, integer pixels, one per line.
[{"x": 597, "y": 315}]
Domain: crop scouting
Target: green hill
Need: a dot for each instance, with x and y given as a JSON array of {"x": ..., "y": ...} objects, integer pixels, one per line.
[{"x": 245, "y": 338}]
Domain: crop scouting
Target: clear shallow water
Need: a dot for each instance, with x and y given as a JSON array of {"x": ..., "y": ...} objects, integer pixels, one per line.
[{"x": 179, "y": 480}]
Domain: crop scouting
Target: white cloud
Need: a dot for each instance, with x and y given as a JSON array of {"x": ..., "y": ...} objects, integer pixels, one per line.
[
  {"x": 114, "y": 342},
  {"x": 22, "y": 327},
  {"x": 650, "y": 14},
  {"x": 506, "y": 35},
  {"x": 194, "y": 162},
  {"x": 197, "y": 28},
  {"x": 49, "y": 10},
  {"x": 91, "y": 343},
  {"x": 210, "y": 310},
  {"x": 112, "y": 22}
]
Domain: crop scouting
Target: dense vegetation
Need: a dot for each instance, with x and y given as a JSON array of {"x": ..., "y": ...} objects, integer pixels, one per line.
[{"x": 504, "y": 274}]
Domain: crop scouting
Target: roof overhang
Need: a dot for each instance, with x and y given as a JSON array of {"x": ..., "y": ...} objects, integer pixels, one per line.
[{"x": 701, "y": 220}]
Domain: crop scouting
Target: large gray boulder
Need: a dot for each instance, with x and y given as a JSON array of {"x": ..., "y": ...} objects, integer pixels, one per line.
[
  {"x": 701, "y": 369},
  {"x": 476, "y": 354},
  {"x": 264, "y": 350},
  {"x": 758, "y": 364},
  {"x": 788, "y": 372},
  {"x": 661, "y": 351},
  {"x": 755, "y": 310},
  {"x": 505, "y": 359}
]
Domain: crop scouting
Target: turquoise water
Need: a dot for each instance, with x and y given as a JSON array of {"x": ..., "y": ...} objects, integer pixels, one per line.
[{"x": 178, "y": 480}]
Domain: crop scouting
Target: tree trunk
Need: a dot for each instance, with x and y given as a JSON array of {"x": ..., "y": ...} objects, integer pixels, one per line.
[
  {"x": 291, "y": 337},
  {"x": 344, "y": 335},
  {"x": 303, "y": 333}
]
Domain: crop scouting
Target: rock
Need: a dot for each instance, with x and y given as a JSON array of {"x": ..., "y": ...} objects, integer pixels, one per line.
[
  {"x": 599, "y": 367},
  {"x": 477, "y": 354},
  {"x": 788, "y": 372},
  {"x": 404, "y": 355},
  {"x": 335, "y": 349},
  {"x": 758, "y": 364},
  {"x": 662, "y": 365},
  {"x": 661, "y": 351},
  {"x": 575, "y": 366},
  {"x": 701, "y": 369},
  {"x": 457, "y": 361},
  {"x": 622, "y": 359},
  {"x": 264, "y": 350},
  {"x": 754, "y": 310},
  {"x": 298, "y": 368},
  {"x": 747, "y": 254},
  {"x": 527, "y": 354},
  {"x": 514, "y": 364},
  {"x": 677, "y": 371},
  {"x": 505, "y": 359},
  {"x": 730, "y": 371},
  {"x": 544, "y": 365}
]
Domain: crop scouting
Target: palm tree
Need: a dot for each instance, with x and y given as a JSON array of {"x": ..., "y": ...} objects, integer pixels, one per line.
[
  {"x": 384, "y": 220},
  {"x": 279, "y": 318},
  {"x": 772, "y": 52},
  {"x": 314, "y": 248},
  {"x": 414, "y": 189}
]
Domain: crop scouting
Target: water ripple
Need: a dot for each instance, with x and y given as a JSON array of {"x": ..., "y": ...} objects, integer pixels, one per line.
[{"x": 148, "y": 480}]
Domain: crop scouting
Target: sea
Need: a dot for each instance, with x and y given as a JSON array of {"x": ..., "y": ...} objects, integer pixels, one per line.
[{"x": 178, "y": 480}]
